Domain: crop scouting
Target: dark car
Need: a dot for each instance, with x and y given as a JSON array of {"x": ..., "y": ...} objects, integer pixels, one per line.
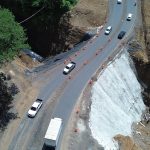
[{"x": 121, "y": 34}]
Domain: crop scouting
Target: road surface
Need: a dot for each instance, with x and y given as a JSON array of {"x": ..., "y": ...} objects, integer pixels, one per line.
[{"x": 60, "y": 93}]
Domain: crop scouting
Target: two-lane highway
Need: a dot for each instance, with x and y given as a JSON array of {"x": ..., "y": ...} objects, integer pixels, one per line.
[
  {"x": 30, "y": 133},
  {"x": 77, "y": 84}
]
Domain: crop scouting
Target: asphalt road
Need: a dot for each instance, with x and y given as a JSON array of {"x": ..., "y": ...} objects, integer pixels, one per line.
[{"x": 60, "y": 94}]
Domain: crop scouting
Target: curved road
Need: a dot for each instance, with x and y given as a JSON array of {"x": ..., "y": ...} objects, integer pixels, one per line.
[{"x": 61, "y": 93}]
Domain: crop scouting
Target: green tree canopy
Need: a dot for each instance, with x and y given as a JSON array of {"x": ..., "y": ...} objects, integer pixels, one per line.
[
  {"x": 12, "y": 36},
  {"x": 52, "y": 4},
  {"x": 68, "y": 4}
]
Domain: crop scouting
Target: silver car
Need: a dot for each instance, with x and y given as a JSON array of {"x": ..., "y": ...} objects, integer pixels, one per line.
[
  {"x": 35, "y": 108},
  {"x": 108, "y": 30},
  {"x": 69, "y": 68}
]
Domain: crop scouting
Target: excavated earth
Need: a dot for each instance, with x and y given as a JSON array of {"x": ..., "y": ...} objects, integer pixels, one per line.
[{"x": 74, "y": 25}]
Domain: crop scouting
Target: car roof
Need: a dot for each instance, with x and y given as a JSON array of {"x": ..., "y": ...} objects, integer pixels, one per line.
[
  {"x": 35, "y": 104},
  {"x": 129, "y": 14},
  {"x": 69, "y": 65},
  {"x": 122, "y": 32},
  {"x": 109, "y": 27}
]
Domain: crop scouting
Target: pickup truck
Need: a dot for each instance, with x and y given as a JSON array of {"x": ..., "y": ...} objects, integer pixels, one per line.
[{"x": 35, "y": 108}]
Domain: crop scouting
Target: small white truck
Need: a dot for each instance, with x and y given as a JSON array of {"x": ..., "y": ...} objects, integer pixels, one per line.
[{"x": 53, "y": 132}]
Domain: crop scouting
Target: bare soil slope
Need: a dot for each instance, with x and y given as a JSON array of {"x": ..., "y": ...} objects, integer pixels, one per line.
[
  {"x": 75, "y": 23},
  {"x": 89, "y": 13}
]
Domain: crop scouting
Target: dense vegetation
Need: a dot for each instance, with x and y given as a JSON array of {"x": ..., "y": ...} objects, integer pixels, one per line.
[
  {"x": 42, "y": 29},
  {"x": 6, "y": 97},
  {"x": 12, "y": 39},
  {"x": 12, "y": 36},
  {"x": 51, "y": 4}
]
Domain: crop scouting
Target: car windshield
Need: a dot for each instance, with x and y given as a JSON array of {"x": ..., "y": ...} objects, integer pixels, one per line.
[
  {"x": 33, "y": 108},
  {"x": 67, "y": 67}
]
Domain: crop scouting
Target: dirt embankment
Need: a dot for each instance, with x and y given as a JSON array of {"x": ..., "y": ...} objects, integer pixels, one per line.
[
  {"x": 142, "y": 56},
  {"x": 74, "y": 24}
]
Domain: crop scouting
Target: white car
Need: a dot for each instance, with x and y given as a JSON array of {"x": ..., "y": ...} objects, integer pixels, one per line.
[
  {"x": 108, "y": 30},
  {"x": 35, "y": 108},
  {"x": 129, "y": 17},
  {"x": 69, "y": 68},
  {"x": 119, "y": 1}
]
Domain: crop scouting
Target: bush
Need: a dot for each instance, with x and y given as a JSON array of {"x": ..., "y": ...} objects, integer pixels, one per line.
[{"x": 5, "y": 105}]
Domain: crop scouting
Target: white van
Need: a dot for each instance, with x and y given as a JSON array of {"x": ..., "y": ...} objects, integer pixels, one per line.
[{"x": 129, "y": 16}]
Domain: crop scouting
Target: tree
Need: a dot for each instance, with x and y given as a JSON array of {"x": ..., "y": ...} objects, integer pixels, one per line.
[
  {"x": 5, "y": 105},
  {"x": 51, "y": 4},
  {"x": 67, "y": 4},
  {"x": 12, "y": 36}
]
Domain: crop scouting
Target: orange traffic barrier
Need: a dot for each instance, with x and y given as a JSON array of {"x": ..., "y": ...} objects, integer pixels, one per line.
[
  {"x": 90, "y": 82},
  {"x": 69, "y": 76},
  {"x": 75, "y": 130},
  {"x": 85, "y": 62},
  {"x": 65, "y": 61},
  {"x": 109, "y": 58},
  {"x": 96, "y": 53},
  {"x": 70, "y": 58},
  {"x": 75, "y": 54},
  {"x": 77, "y": 111}
]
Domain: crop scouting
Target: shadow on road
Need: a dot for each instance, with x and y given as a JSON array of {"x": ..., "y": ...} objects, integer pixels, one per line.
[{"x": 47, "y": 148}]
